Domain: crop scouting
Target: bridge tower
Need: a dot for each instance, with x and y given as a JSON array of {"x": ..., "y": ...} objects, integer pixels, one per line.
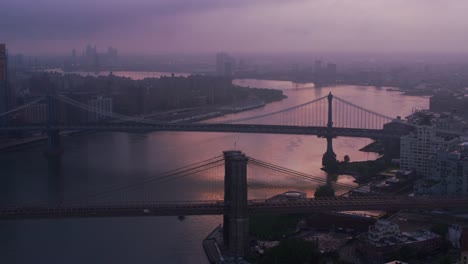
[
  {"x": 235, "y": 219},
  {"x": 53, "y": 135},
  {"x": 329, "y": 156}
]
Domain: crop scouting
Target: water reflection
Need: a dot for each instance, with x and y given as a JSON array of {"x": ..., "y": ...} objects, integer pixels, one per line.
[
  {"x": 96, "y": 162},
  {"x": 55, "y": 180}
]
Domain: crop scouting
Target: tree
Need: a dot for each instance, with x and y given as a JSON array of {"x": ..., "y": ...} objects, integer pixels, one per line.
[
  {"x": 292, "y": 251},
  {"x": 346, "y": 159},
  {"x": 324, "y": 191},
  {"x": 440, "y": 229}
]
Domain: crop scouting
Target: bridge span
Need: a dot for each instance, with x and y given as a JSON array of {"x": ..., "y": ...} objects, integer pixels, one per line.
[
  {"x": 235, "y": 206},
  {"x": 219, "y": 207},
  {"x": 226, "y": 128}
]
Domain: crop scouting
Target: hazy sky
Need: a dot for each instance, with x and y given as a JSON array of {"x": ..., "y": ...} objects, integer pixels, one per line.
[{"x": 160, "y": 26}]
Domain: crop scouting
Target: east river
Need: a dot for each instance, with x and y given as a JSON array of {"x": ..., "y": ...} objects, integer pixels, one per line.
[{"x": 99, "y": 161}]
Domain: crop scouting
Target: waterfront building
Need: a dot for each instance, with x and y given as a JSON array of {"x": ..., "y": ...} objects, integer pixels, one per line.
[
  {"x": 440, "y": 120},
  {"x": 385, "y": 239},
  {"x": 450, "y": 121},
  {"x": 448, "y": 172},
  {"x": 418, "y": 146}
]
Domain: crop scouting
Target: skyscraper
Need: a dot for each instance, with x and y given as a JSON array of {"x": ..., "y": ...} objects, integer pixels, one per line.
[
  {"x": 4, "y": 92},
  {"x": 224, "y": 64},
  {"x": 318, "y": 66},
  {"x": 73, "y": 59}
]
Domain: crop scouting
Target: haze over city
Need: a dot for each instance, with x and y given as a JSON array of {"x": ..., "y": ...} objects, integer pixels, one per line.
[
  {"x": 234, "y": 132},
  {"x": 201, "y": 26}
]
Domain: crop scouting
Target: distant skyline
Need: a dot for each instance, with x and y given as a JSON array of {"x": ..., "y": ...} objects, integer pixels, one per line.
[{"x": 245, "y": 26}]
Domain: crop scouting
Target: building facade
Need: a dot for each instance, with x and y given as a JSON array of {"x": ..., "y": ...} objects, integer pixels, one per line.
[
  {"x": 225, "y": 64},
  {"x": 448, "y": 170},
  {"x": 385, "y": 240},
  {"x": 382, "y": 229},
  {"x": 417, "y": 147},
  {"x": 103, "y": 109},
  {"x": 4, "y": 92},
  {"x": 34, "y": 114}
]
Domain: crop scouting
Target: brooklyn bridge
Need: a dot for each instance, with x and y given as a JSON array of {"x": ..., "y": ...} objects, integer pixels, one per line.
[{"x": 236, "y": 207}]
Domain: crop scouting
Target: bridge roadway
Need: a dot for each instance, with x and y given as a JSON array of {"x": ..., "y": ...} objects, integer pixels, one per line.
[
  {"x": 219, "y": 208},
  {"x": 206, "y": 127}
]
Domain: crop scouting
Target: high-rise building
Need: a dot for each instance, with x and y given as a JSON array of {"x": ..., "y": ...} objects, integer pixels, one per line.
[
  {"x": 331, "y": 69},
  {"x": 103, "y": 109},
  {"x": 417, "y": 147},
  {"x": 318, "y": 66},
  {"x": 73, "y": 58},
  {"x": 4, "y": 89},
  {"x": 224, "y": 64},
  {"x": 448, "y": 169}
]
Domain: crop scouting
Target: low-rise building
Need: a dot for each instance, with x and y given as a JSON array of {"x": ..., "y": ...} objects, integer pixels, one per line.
[
  {"x": 381, "y": 230},
  {"x": 385, "y": 239}
]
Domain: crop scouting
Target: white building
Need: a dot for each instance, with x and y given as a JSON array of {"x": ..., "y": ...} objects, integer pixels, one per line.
[
  {"x": 382, "y": 229},
  {"x": 417, "y": 147},
  {"x": 102, "y": 107}
]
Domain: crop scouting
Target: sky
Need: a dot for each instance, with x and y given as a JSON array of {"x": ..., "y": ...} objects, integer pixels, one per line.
[{"x": 249, "y": 26}]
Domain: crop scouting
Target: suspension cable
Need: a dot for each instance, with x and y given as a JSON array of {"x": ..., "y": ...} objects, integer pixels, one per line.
[
  {"x": 23, "y": 106},
  {"x": 362, "y": 108},
  {"x": 276, "y": 112},
  {"x": 185, "y": 170},
  {"x": 295, "y": 173}
]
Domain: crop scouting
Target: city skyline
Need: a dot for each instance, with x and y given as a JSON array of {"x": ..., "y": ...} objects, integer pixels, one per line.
[{"x": 51, "y": 27}]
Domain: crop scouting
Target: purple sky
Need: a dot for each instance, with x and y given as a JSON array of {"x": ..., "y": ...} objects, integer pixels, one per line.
[{"x": 193, "y": 26}]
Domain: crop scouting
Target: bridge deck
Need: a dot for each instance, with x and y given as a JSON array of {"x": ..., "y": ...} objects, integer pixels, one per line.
[
  {"x": 255, "y": 206},
  {"x": 227, "y": 128}
]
